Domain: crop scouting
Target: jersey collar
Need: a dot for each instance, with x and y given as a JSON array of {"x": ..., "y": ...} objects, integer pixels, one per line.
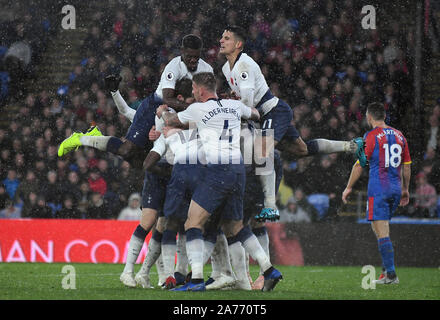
[{"x": 238, "y": 57}]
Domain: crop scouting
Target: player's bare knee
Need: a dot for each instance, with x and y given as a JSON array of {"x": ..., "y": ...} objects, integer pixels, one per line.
[
  {"x": 161, "y": 224},
  {"x": 231, "y": 227},
  {"x": 148, "y": 218},
  {"x": 173, "y": 224}
]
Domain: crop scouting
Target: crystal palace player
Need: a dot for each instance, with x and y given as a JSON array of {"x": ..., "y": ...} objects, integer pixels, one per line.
[
  {"x": 388, "y": 155},
  {"x": 245, "y": 78}
]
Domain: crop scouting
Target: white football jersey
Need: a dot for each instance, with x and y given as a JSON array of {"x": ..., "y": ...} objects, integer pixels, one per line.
[
  {"x": 184, "y": 145},
  {"x": 246, "y": 74},
  {"x": 218, "y": 122},
  {"x": 176, "y": 70}
]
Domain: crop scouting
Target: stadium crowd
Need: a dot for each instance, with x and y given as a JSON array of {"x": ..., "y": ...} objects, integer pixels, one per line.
[{"x": 314, "y": 55}]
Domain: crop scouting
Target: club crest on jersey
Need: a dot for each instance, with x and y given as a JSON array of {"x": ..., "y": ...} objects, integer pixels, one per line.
[
  {"x": 170, "y": 76},
  {"x": 244, "y": 75}
]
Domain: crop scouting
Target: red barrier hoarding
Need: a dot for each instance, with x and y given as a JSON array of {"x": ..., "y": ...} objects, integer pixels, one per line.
[{"x": 86, "y": 241}]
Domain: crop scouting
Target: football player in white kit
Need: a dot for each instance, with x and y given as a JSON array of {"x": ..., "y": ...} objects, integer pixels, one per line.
[
  {"x": 218, "y": 123},
  {"x": 246, "y": 80},
  {"x": 184, "y": 149},
  {"x": 136, "y": 144}
]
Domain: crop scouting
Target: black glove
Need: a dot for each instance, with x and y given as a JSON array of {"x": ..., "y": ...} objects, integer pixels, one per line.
[{"x": 112, "y": 82}]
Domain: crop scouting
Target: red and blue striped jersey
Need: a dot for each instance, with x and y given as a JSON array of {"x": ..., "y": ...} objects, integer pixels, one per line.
[{"x": 386, "y": 150}]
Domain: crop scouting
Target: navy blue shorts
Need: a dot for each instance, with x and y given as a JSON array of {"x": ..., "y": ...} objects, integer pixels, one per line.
[
  {"x": 183, "y": 182},
  {"x": 154, "y": 190},
  {"x": 280, "y": 120},
  {"x": 382, "y": 207},
  {"x": 253, "y": 195},
  {"x": 143, "y": 121},
  {"x": 222, "y": 186}
]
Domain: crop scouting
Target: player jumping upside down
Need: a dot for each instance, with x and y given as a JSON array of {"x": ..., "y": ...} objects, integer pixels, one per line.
[
  {"x": 246, "y": 80},
  {"x": 388, "y": 156}
]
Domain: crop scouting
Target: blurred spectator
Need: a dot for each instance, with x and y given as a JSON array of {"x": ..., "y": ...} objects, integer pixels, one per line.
[
  {"x": 4, "y": 196},
  {"x": 11, "y": 183},
  {"x": 132, "y": 211},
  {"x": 72, "y": 187},
  {"x": 10, "y": 211},
  {"x": 425, "y": 203},
  {"x": 51, "y": 191},
  {"x": 28, "y": 204},
  {"x": 434, "y": 132},
  {"x": 30, "y": 184},
  {"x": 96, "y": 182},
  {"x": 98, "y": 208},
  {"x": 68, "y": 211},
  {"x": 294, "y": 213},
  {"x": 41, "y": 209}
]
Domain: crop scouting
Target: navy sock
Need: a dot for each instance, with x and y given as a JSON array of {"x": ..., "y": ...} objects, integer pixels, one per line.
[
  {"x": 169, "y": 237},
  {"x": 244, "y": 234},
  {"x": 261, "y": 231},
  {"x": 140, "y": 232},
  {"x": 157, "y": 236},
  {"x": 312, "y": 147},
  {"x": 193, "y": 233},
  {"x": 211, "y": 236},
  {"x": 387, "y": 252},
  {"x": 232, "y": 240},
  {"x": 113, "y": 145}
]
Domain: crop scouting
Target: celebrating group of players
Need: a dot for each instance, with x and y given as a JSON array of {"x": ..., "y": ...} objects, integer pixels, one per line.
[{"x": 215, "y": 198}]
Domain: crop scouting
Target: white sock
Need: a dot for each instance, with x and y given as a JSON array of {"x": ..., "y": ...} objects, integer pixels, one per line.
[
  {"x": 153, "y": 253},
  {"x": 99, "y": 142},
  {"x": 134, "y": 248},
  {"x": 216, "y": 263},
  {"x": 225, "y": 263},
  {"x": 168, "y": 258},
  {"x": 238, "y": 257},
  {"x": 182, "y": 258},
  {"x": 208, "y": 249},
  {"x": 331, "y": 146},
  {"x": 253, "y": 247},
  {"x": 160, "y": 269},
  {"x": 268, "y": 183},
  {"x": 194, "y": 250},
  {"x": 264, "y": 242}
]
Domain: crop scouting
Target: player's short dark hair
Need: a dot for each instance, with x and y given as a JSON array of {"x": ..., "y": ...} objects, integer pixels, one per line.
[
  {"x": 238, "y": 32},
  {"x": 376, "y": 110},
  {"x": 191, "y": 41},
  {"x": 206, "y": 79},
  {"x": 184, "y": 87}
]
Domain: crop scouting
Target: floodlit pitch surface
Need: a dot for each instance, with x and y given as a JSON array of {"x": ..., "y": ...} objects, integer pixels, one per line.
[{"x": 101, "y": 282}]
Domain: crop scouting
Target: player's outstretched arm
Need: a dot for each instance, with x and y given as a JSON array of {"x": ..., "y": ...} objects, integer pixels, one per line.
[
  {"x": 112, "y": 84},
  {"x": 355, "y": 174},
  {"x": 406, "y": 176}
]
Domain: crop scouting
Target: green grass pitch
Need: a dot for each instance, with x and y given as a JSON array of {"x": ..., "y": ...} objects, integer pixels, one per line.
[{"x": 101, "y": 282}]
